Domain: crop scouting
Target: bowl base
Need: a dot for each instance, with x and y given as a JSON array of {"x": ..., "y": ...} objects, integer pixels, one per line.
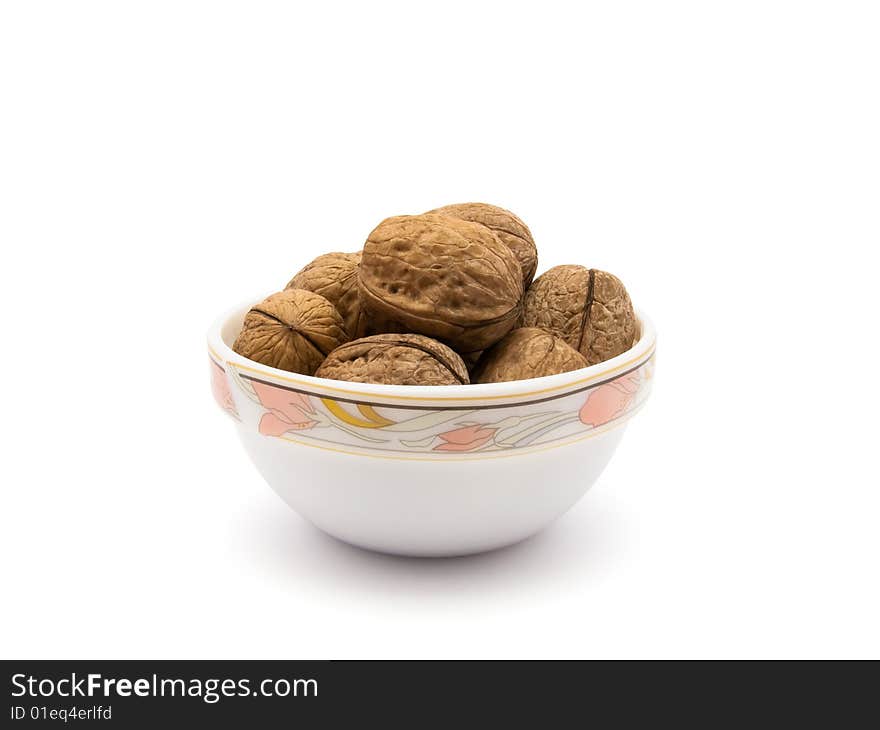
[{"x": 430, "y": 508}]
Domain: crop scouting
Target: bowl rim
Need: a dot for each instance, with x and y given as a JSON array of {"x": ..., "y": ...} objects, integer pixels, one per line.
[{"x": 634, "y": 357}]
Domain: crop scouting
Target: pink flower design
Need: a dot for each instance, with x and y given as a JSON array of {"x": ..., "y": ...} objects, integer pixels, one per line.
[
  {"x": 220, "y": 389},
  {"x": 610, "y": 400},
  {"x": 466, "y": 438},
  {"x": 287, "y": 410}
]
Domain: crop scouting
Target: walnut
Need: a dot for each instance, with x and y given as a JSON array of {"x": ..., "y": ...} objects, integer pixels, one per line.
[
  {"x": 395, "y": 359},
  {"x": 512, "y": 232},
  {"x": 291, "y": 330},
  {"x": 587, "y": 308},
  {"x": 442, "y": 277},
  {"x": 527, "y": 352},
  {"x": 334, "y": 276}
]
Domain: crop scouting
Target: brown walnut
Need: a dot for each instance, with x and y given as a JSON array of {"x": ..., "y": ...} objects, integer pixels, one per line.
[
  {"x": 395, "y": 359},
  {"x": 442, "y": 277},
  {"x": 292, "y": 330},
  {"x": 512, "y": 232},
  {"x": 334, "y": 276},
  {"x": 588, "y": 308},
  {"x": 527, "y": 352}
]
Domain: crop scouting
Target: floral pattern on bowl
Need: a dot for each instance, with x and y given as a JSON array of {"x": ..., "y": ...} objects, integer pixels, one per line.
[
  {"x": 289, "y": 411},
  {"x": 220, "y": 389}
]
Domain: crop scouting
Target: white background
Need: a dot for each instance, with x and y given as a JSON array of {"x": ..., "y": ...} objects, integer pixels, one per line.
[{"x": 160, "y": 161}]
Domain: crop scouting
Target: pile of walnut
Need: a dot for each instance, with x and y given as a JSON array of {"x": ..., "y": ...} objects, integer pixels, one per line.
[{"x": 443, "y": 298}]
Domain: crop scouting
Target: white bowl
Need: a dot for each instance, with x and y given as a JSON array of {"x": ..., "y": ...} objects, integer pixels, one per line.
[{"x": 429, "y": 470}]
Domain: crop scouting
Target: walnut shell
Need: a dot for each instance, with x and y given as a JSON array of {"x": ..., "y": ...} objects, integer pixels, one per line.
[
  {"x": 292, "y": 330},
  {"x": 334, "y": 277},
  {"x": 442, "y": 277},
  {"x": 395, "y": 359},
  {"x": 588, "y": 308},
  {"x": 527, "y": 352},
  {"x": 512, "y": 232}
]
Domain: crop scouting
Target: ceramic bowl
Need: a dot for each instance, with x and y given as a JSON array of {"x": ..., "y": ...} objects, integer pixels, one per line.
[{"x": 429, "y": 470}]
